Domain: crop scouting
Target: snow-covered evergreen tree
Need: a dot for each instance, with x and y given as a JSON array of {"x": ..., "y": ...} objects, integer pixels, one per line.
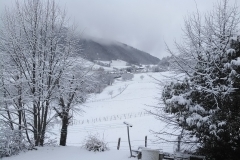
[{"x": 207, "y": 103}]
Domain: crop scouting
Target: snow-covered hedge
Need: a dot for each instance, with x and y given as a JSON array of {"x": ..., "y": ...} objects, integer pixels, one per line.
[{"x": 94, "y": 143}]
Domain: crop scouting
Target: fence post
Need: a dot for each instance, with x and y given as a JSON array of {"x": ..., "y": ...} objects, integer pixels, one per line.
[
  {"x": 145, "y": 141},
  {"x": 119, "y": 141},
  {"x": 179, "y": 141}
]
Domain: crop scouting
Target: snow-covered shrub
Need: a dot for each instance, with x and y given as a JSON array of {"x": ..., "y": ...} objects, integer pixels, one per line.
[
  {"x": 127, "y": 76},
  {"x": 94, "y": 143},
  {"x": 157, "y": 69},
  {"x": 12, "y": 142},
  {"x": 101, "y": 69},
  {"x": 103, "y": 79}
]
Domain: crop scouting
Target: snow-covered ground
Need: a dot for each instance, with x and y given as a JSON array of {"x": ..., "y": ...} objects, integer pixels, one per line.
[
  {"x": 69, "y": 153},
  {"x": 104, "y": 115}
]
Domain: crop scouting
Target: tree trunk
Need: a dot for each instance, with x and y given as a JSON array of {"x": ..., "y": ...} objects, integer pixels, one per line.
[
  {"x": 35, "y": 129},
  {"x": 44, "y": 125},
  {"x": 63, "y": 137},
  {"x": 25, "y": 125}
]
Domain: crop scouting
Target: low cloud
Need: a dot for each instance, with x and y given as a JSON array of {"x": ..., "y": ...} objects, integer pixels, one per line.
[{"x": 143, "y": 24}]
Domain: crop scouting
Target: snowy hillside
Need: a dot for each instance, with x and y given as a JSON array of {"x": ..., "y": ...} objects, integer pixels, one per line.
[
  {"x": 104, "y": 115},
  {"x": 107, "y": 50}
]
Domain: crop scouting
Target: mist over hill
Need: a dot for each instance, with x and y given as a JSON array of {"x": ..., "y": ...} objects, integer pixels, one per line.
[{"x": 102, "y": 49}]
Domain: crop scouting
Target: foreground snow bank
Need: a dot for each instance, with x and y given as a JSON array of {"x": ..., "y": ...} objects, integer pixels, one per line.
[{"x": 72, "y": 153}]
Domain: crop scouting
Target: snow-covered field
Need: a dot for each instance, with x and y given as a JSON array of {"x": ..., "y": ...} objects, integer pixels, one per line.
[
  {"x": 104, "y": 115},
  {"x": 119, "y": 64}
]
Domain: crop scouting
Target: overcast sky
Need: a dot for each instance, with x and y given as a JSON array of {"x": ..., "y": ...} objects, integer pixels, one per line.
[{"x": 143, "y": 24}]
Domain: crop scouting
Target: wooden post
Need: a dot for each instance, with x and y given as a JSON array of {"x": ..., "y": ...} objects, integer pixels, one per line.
[
  {"x": 178, "y": 146},
  {"x": 145, "y": 141},
  {"x": 129, "y": 125},
  {"x": 129, "y": 142},
  {"x": 119, "y": 140},
  {"x": 179, "y": 141}
]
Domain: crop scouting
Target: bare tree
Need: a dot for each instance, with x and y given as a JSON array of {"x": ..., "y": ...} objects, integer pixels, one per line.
[
  {"x": 120, "y": 89},
  {"x": 110, "y": 93},
  {"x": 36, "y": 43},
  {"x": 73, "y": 89}
]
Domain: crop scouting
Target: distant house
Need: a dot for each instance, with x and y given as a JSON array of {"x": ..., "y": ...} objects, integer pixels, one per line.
[
  {"x": 116, "y": 69},
  {"x": 103, "y": 63},
  {"x": 139, "y": 69}
]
